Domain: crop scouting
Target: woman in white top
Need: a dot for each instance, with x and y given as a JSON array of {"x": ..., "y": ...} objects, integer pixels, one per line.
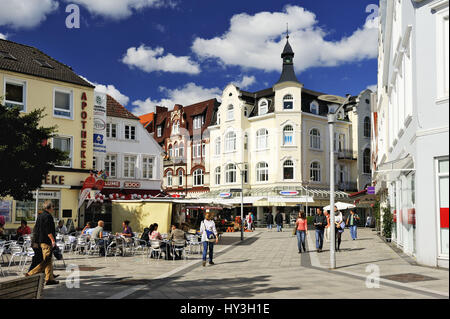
[
  {"x": 208, "y": 225},
  {"x": 338, "y": 220}
]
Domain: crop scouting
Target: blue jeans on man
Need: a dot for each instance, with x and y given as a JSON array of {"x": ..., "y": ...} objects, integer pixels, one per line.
[
  {"x": 269, "y": 226},
  {"x": 207, "y": 244},
  {"x": 319, "y": 238},
  {"x": 301, "y": 240},
  {"x": 279, "y": 227},
  {"x": 353, "y": 231}
]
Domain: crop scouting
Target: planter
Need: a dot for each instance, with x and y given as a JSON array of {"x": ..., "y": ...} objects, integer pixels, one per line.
[{"x": 388, "y": 240}]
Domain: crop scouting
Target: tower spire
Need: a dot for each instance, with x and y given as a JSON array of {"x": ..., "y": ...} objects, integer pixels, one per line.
[{"x": 288, "y": 73}]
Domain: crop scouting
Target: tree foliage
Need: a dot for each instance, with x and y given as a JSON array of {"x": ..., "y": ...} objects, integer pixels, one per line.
[{"x": 25, "y": 156}]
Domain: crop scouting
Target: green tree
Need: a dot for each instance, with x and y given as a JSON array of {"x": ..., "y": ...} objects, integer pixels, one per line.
[
  {"x": 388, "y": 222},
  {"x": 25, "y": 156}
]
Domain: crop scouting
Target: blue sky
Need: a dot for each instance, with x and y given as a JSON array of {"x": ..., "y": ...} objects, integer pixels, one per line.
[{"x": 148, "y": 52}]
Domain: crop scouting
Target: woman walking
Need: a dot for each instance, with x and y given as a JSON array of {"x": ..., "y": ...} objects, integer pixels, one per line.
[
  {"x": 340, "y": 225},
  {"x": 209, "y": 237},
  {"x": 327, "y": 227},
  {"x": 302, "y": 227}
]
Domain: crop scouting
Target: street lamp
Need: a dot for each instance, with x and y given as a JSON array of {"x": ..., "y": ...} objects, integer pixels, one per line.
[
  {"x": 332, "y": 118},
  {"x": 242, "y": 196}
]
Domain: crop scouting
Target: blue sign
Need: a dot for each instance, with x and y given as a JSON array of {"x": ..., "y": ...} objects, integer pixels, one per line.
[
  {"x": 288, "y": 193},
  {"x": 98, "y": 139}
]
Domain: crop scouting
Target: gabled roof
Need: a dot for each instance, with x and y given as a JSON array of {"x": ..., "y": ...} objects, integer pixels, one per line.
[
  {"x": 147, "y": 119},
  {"x": 115, "y": 109},
  {"x": 25, "y": 59}
]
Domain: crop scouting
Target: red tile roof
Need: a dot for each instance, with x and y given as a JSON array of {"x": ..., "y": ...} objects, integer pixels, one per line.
[{"x": 115, "y": 109}]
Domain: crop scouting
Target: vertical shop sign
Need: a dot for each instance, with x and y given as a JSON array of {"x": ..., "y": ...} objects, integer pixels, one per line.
[{"x": 99, "y": 123}]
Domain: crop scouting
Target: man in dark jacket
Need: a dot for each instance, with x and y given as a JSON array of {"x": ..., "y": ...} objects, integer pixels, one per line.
[
  {"x": 320, "y": 221},
  {"x": 279, "y": 221},
  {"x": 269, "y": 221},
  {"x": 46, "y": 240}
]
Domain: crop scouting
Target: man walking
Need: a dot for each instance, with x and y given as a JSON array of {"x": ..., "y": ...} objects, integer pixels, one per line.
[
  {"x": 46, "y": 240},
  {"x": 279, "y": 221},
  {"x": 320, "y": 222},
  {"x": 269, "y": 221},
  {"x": 352, "y": 222}
]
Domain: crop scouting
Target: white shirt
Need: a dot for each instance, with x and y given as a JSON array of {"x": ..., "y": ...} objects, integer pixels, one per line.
[
  {"x": 338, "y": 218},
  {"x": 207, "y": 225}
]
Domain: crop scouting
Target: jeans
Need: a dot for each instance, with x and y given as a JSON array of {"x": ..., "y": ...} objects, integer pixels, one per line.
[
  {"x": 353, "y": 231},
  {"x": 301, "y": 238},
  {"x": 319, "y": 238},
  {"x": 279, "y": 227},
  {"x": 269, "y": 226},
  {"x": 205, "y": 250}
]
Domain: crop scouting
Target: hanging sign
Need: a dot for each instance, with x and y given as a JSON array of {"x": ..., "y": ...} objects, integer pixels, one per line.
[{"x": 289, "y": 193}]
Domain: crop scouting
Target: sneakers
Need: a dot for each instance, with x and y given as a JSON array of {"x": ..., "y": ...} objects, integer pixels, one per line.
[
  {"x": 52, "y": 282},
  {"x": 204, "y": 263}
]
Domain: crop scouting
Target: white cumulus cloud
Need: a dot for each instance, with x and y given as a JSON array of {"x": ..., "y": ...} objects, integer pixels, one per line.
[
  {"x": 245, "y": 82},
  {"x": 256, "y": 41},
  {"x": 112, "y": 91},
  {"x": 120, "y": 9},
  {"x": 372, "y": 87},
  {"x": 3, "y": 36},
  {"x": 149, "y": 60},
  {"x": 190, "y": 93},
  {"x": 25, "y": 13}
]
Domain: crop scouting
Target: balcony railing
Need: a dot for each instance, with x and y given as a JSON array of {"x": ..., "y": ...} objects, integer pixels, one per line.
[
  {"x": 347, "y": 186},
  {"x": 347, "y": 155}
]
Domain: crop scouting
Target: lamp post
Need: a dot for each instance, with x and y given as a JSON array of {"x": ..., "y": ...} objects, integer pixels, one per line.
[
  {"x": 242, "y": 196},
  {"x": 332, "y": 119}
]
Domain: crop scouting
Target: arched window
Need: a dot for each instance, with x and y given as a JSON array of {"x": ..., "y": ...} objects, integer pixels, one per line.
[
  {"x": 262, "y": 172},
  {"x": 217, "y": 146},
  {"x": 169, "y": 178},
  {"x": 230, "y": 173},
  {"x": 366, "y": 126},
  {"x": 263, "y": 107},
  {"x": 230, "y": 142},
  {"x": 314, "y": 139},
  {"x": 315, "y": 172},
  {"x": 288, "y": 135},
  {"x": 262, "y": 137},
  {"x": 288, "y": 170},
  {"x": 170, "y": 151},
  {"x": 175, "y": 148},
  {"x": 314, "y": 108},
  {"x": 181, "y": 150},
  {"x": 198, "y": 177},
  {"x": 366, "y": 161},
  {"x": 288, "y": 102},
  {"x": 176, "y": 127},
  {"x": 217, "y": 175},
  {"x": 180, "y": 177},
  {"x": 230, "y": 113}
]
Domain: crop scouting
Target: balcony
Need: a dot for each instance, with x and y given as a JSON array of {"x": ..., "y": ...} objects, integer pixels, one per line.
[
  {"x": 347, "y": 155},
  {"x": 347, "y": 186},
  {"x": 174, "y": 161}
]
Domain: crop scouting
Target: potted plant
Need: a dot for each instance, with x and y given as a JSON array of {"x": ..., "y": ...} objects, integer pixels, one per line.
[
  {"x": 376, "y": 214},
  {"x": 388, "y": 223}
]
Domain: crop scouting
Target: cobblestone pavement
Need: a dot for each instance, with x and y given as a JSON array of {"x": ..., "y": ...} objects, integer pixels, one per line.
[{"x": 266, "y": 265}]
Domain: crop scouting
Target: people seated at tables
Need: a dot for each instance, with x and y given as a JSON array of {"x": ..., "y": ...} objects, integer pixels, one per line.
[
  {"x": 23, "y": 229},
  {"x": 97, "y": 233},
  {"x": 156, "y": 235},
  {"x": 87, "y": 228},
  {"x": 2, "y": 224},
  {"x": 177, "y": 234},
  {"x": 127, "y": 232},
  {"x": 61, "y": 228}
]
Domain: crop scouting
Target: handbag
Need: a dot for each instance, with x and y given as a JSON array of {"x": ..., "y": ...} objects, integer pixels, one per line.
[{"x": 210, "y": 235}]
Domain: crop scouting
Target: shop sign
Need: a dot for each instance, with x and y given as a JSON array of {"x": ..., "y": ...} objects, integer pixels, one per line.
[
  {"x": 84, "y": 116},
  {"x": 112, "y": 184},
  {"x": 132, "y": 185},
  {"x": 225, "y": 195},
  {"x": 54, "y": 180},
  {"x": 289, "y": 193},
  {"x": 371, "y": 190},
  {"x": 46, "y": 195}
]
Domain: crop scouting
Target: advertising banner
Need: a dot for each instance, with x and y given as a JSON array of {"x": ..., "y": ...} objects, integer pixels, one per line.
[{"x": 99, "y": 123}]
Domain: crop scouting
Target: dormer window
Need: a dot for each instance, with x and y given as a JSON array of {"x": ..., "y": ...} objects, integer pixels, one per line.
[
  {"x": 159, "y": 131},
  {"x": 314, "y": 108},
  {"x": 263, "y": 107},
  {"x": 288, "y": 102},
  {"x": 43, "y": 63},
  {"x": 176, "y": 127},
  {"x": 198, "y": 122}
]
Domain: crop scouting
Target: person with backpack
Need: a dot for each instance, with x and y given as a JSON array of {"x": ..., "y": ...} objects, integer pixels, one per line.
[
  {"x": 352, "y": 221},
  {"x": 279, "y": 221},
  {"x": 269, "y": 221}
]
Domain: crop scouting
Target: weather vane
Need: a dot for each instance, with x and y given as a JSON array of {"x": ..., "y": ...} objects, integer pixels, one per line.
[{"x": 287, "y": 30}]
